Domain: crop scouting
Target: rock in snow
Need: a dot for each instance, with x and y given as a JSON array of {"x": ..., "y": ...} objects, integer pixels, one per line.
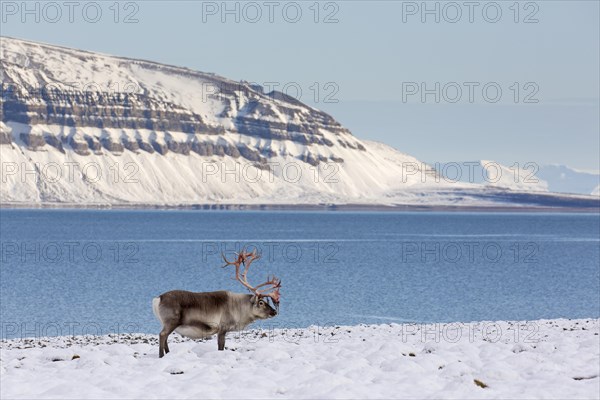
[{"x": 535, "y": 359}]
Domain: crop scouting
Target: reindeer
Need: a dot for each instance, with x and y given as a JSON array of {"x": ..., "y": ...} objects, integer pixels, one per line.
[{"x": 201, "y": 315}]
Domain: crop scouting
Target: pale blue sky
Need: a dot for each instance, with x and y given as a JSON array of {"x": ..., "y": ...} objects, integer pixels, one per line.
[{"x": 371, "y": 55}]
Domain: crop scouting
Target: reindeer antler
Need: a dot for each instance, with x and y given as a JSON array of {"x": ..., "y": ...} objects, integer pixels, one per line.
[
  {"x": 246, "y": 258},
  {"x": 275, "y": 284}
]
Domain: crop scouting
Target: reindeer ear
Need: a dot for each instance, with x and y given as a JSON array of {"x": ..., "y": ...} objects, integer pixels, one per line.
[{"x": 254, "y": 299}]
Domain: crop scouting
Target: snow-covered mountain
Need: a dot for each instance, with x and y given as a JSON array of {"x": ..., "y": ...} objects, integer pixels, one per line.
[
  {"x": 87, "y": 128},
  {"x": 524, "y": 177},
  {"x": 563, "y": 179},
  {"x": 493, "y": 174}
]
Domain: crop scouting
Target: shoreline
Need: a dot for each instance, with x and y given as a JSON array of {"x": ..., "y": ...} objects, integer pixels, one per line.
[
  {"x": 37, "y": 341},
  {"x": 304, "y": 207}
]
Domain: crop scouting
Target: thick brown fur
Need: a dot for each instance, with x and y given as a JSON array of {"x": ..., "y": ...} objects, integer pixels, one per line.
[{"x": 203, "y": 314}]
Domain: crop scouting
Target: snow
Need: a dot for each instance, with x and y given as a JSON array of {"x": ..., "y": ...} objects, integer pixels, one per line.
[
  {"x": 512, "y": 177},
  {"x": 534, "y": 359},
  {"x": 75, "y": 69},
  {"x": 138, "y": 177},
  {"x": 380, "y": 175}
]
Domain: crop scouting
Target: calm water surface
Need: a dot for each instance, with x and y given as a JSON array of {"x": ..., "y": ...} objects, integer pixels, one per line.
[{"x": 92, "y": 271}]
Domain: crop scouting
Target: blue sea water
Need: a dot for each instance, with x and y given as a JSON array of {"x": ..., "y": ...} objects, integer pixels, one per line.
[{"x": 96, "y": 271}]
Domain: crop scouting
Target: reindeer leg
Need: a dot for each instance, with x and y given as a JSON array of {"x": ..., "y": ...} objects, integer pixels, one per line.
[
  {"x": 221, "y": 340},
  {"x": 162, "y": 338}
]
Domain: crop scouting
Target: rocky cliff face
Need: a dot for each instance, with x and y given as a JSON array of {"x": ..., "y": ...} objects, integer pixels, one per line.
[{"x": 48, "y": 85}]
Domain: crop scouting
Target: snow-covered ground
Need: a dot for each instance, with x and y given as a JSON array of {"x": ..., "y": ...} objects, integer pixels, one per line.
[{"x": 535, "y": 359}]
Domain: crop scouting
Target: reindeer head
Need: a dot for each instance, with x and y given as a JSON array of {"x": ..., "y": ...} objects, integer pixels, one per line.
[{"x": 261, "y": 307}]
